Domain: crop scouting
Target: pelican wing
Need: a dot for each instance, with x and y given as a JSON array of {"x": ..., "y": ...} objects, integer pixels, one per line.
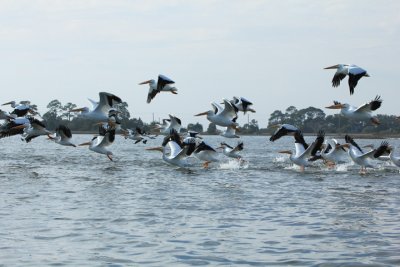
[
  {"x": 370, "y": 106},
  {"x": 238, "y": 148},
  {"x": 107, "y": 139},
  {"x": 162, "y": 81},
  {"x": 217, "y": 108},
  {"x": 337, "y": 78},
  {"x": 229, "y": 110},
  {"x": 107, "y": 101},
  {"x": 152, "y": 94},
  {"x": 63, "y": 131},
  {"x": 175, "y": 149}
]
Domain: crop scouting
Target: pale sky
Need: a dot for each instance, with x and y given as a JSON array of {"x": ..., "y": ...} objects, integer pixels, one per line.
[{"x": 270, "y": 52}]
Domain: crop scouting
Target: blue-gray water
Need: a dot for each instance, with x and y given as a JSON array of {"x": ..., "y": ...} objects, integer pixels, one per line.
[{"x": 71, "y": 207}]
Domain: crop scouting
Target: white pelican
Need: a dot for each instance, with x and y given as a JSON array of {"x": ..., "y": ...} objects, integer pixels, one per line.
[
  {"x": 100, "y": 112},
  {"x": 168, "y": 124},
  {"x": 358, "y": 156},
  {"x": 205, "y": 153},
  {"x": 223, "y": 117},
  {"x": 21, "y": 109},
  {"x": 359, "y": 113},
  {"x": 282, "y": 130},
  {"x": 232, "y": 152},
  {"x": 63, "y": 136},
  {"x": 177, "y": 155},
  {"x": 333, "y": 152},
  {"x": 137, "y": 136},
  {"x": 230, "y": 132},
  {"x": 355, "y": 73},
  {"x": 34, "y": 129},
  {"x": 162, "y": 85},
  {"x": 303, "y": 151},
  {"x": 100, "y": 143},
  {"x": 242, "y": 104}
]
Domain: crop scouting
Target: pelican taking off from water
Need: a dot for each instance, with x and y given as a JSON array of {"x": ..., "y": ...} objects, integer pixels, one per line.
[
  {"x": 162, "y": 85},
  {"x": 232, "y": 152},
  {"x": 303, "y": 151},
  {"x": 100, "y": 143},
  {"x": 358, "y": 156},
  {"x": 359, "y": 113},
  {"x": 99, "y": 112},
  {"x": 222, "y": 116},
  {"x": 355, "y": 74},
  {"x": 63, "y": 136},
  {"x": 168, "y": 124}
]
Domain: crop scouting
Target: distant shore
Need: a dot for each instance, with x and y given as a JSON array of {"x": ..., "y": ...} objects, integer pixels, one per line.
[{"x": 336, "y": 135}]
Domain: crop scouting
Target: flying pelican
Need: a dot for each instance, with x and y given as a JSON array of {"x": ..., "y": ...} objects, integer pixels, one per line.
[
  {"x": 358, "y": 156},
  {"x": 282, "y": 130},
  {"x": 178, "y": 152},
  {"x": 168, "y": 124},
  {"x": 355, "y": 73},
  {"x": 303, "y": 151},
  {"x": 100, "y": 112},
  {"x": 21, "y": 109},
  {"x": 100, "y": 143},
  {"x": 232, "y": 152},
  {"x": 162, "y": 85},
  {"x": 359, "y": 113},
  {"x": 137, "y": 136},
  {"x": 241, "y": 104},
  {"x": 230, "y": 132},
  {"x": 34, "y": 129},
  {"x": 63, "y": 136},
  {"x": 222, "y": 117},
  {"x": 205, "y": 153}
]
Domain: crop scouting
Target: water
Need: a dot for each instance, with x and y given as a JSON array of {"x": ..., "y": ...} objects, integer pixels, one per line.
[{"x": 71, "y": 207}]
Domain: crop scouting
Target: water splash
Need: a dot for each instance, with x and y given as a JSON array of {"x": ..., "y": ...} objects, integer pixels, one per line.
[
  {"x": 234, "y": 164},
  {"x": 279, "y": 159}
]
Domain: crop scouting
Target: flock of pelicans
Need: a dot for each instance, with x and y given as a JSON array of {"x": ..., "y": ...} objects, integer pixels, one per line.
[{"x": 176, "y": 148}]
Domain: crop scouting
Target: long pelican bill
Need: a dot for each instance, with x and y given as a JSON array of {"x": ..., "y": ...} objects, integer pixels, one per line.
[
  {"x": 145, "y": 82},
  {"x": 202, "y": 114},
  {"x": 77, "y": 110},
  {"x": 286, "y": 152},
  {"x": 84, "y": 144},
  {"x": 22, "y": 126},
  {"x": 336, "y": 106},
  {"x": 8, "y": 103},
  {"x": 332, "y": 67},
  {"x": 155, "y": 149}
]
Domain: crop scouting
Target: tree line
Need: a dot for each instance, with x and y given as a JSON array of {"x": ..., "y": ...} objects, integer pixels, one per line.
[{"x": 310, "y": 120}]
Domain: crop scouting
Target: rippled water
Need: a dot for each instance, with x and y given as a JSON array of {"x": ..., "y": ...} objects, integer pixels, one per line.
[{"x": 70, "y": 206}]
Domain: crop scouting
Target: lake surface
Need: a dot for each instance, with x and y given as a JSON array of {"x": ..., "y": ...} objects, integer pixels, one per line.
[{"x": 64, "y": 206}]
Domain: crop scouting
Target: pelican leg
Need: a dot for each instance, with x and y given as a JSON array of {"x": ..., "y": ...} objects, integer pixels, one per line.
[
  {"x": 109, "y": 157},
  {"x": 175, "y": 93},
  {"x": 205, "y": 164},
  {"x": 302, "y": 168}
]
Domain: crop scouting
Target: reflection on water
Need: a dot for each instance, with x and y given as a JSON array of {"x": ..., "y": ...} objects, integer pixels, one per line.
[{"x": 70, "y": 206}]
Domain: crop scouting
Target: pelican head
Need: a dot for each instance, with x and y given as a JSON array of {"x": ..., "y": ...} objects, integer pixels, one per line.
[{"x": 12, "y": 103}]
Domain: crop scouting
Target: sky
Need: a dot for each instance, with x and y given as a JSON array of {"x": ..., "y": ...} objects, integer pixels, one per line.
[{"x": 270, "y": 52}]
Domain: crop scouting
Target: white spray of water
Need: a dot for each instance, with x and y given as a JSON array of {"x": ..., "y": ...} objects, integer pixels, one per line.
[{"x": 234, "y": 164}]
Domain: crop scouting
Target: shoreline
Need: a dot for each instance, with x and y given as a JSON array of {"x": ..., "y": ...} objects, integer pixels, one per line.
[{"x": 335, "y": 135}]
